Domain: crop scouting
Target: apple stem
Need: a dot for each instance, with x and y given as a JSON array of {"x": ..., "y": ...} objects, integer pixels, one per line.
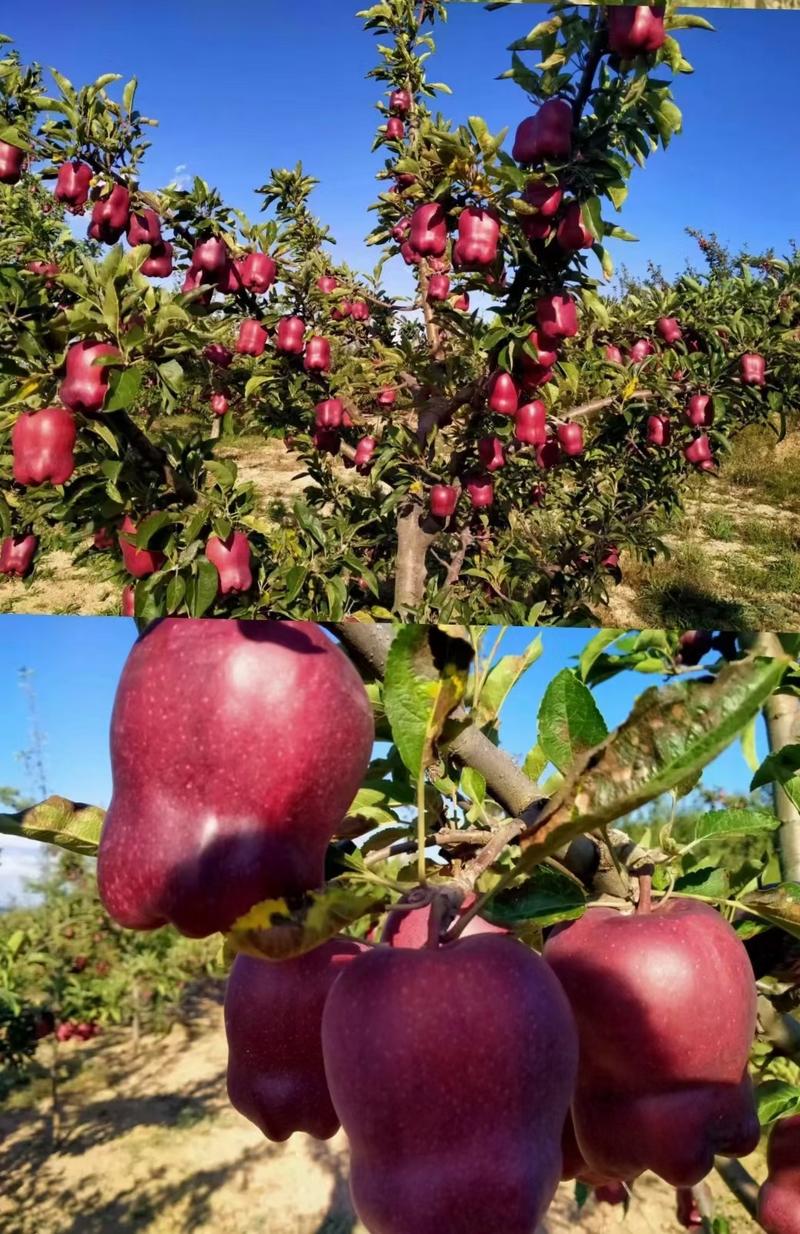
[{"x": 644, "y": 900}]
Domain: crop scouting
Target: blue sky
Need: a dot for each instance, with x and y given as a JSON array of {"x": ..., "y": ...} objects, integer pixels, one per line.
[
  {"x": 240, "y": 91},
  {"x": 76, "y": 662}
]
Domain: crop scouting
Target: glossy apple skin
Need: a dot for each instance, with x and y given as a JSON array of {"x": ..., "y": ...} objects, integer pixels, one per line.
[
  {"x": 424, "y": 1123},
  {"x": 480, "y": 490},
  {"x": 635, "y": 29},
  {"x": 400, "y": 102},
  {"x": 669, "y": 329},
  {"x": 779, "y": 1197},
  {"x": 613, "y": 354},
  {"x": 557, "y": 316},
  {"x": 478, "y": 239},
  {"x": 698, "y": 452},
  {"x": 85, "y": 385},
  {"x": 640, "y": 350},
  {"x": 144, "y": 228},
  {"x": 530, "y": 423},
  {"x": 444, "y": 499},
  {"x": 428, "y": 234},
  {"x": 492, "y": 453},
  {"x": 570, "y": 438},
  {"x": 159, "y": 264},
  {"x": 257, "y": 272},
  {"x": 665, "y": 1005},
  {"x": 72, "y": 184},
  {"x": 127, "y": 606},
  {"x": 409, "y": 927},
  {"x": 232, "y": 559},
  {"x": 395, "y": 129},
  {"x": 17, "y": 554},
  {"x": 236, "y": 749},
  {"x": 752, "y": 369},
  {"x": 252, "y": 338},
  {"x": 503, "y": 395},
  {"x": 43, "y": 443},
  {"x": 139, "y": 562},
  {"x": 545, "y": 135},
  {"x": 289, "y": 336},
  {"x": 364, "y": 452},
  {"x": 326, "y": 283},
  {"x": 328, "y": 414},
  {"x": 658, "y": 430},
  {"x": 317, "y": 358},
  {"x": 438, "y": 287},
  {"x": 546, "y": 198},
  {"x": 700, "y": 411},
  {"x": 273, "y": 1022},
  {"x": 110, "y": 216},
  {"x": 12, "y": 161},
  {"x": 572, "y": 233}
]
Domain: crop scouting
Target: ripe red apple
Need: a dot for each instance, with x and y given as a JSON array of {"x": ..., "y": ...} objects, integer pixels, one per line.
[
  {"x": 317, "y": 357},
  {"x": 326, "y": 440},
  {"x": 401, "y": 230},
  {"x": 665, "y": 1005},
  {"x": 218, "y": 355},
  {"x": 640, "y": 351},
  {"x": 461, "y": 303},
  {"x": 273, "y": 1023},
  {"x": 546, "y": 135},
  {"x": 635, "y": 30},
  {"x": 127, "y": 606},
  {"x": 364, "y": 452},
  {"x": 104, "y": 539},
  {"x": 400, "y": 102},
  {"x": 17, "y": 554},
  {"x": 45, "y": 269},
  {"x": 252, "y": 338},
  {"x": 779, "y": 1197},
  {"x": 443, "y": 500},
  {"x": 219, "y": 404},
  {"x": 85, "y": 385},
  {"x": 492, "y": 452},
  {"x": 411, "y": 927},
  {"x": 387, "y": 397},
  {"x": 699, "y": 452},
  {"x": 545, "y": 355},
  {"x": 110, "y": 215},
  {"x": 72, "y": 184},
  {"x": 193, "y": 280},
  {"x": 12, "y": 161},
  {"x": 428, "y": 233},
  {"x": 326, "y": 283},
  {"x": 438, "y": 287},
  {"x": 196, "y": 833},
  {"x": 613, "y": 354},
  {"x": 140, "y": 562},
  {"x": 289, "y": 337},
  {"x": 669, "y": 329},
  {"x": 536, "y": 228},
  {"x": 548, "y": 455},
  {"x": 533, "y": 375},
  {"x": 65, "y": 1031},
  {"x": 342, "y": 310},
  {"x": 658, "y": 430},
  {"x": 570, "y": 438},
  {"x": 502, "y": 393},
  {"x": 328, "y": 414},
  {"x": 572, "y": 233},
  {"x": 700, "y": 411},
  {"x": 478, "y": 239},
  {"x": 557, "y": 316},
  {"x": 359, "y": 310},
  {"x": 395, "y": 129},
  {"x": 546, "y": 197},
  {"x": 42, "y": 443},
  {"x": 144, "y": 228},
  {"x": 232, "y": 559},
  {"x": 530, "y": 423},
  {"x": 211, "y": 257},
  {"x": 508, "y": 1030},
  {"x": 159, "y": 264},
  {"x": 752, "y": 369},
  {"x": 256, "y": 272},
  {"x": 480, "y": 490}
]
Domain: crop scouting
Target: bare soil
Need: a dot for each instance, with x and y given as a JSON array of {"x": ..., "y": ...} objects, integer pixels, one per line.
[{"x": 149, "y": 1144}]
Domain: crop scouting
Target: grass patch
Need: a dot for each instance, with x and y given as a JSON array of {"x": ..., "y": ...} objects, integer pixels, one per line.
[
  {"x": 755, "y": 463},
  {"x": 720, "y": 526}
]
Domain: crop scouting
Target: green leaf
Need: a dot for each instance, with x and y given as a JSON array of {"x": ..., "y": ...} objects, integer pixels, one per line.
[
  {"x": 570, "y": 722},
  {"x": 535, "y": 762},
  {"x": 426, "y": 678},
  {"x": 779, "y": 905},
  {"x": 125, "y": 387},
  {"x": 273, "y": 931},
  {"x": 595, "y": 647},
  {"x": 500, "y": 681},
  {"x": 72, "y": 826},
  {"x": 743, "y": 822},
  {"x": 546, "y": 897},
  {"x": 711, "y": 881},
  {"x": 206, "y": 587},
  {"x": 776, "y": 1099},
  {"x": 779, "y": 767},
  {"x": 473, "y": 785}
]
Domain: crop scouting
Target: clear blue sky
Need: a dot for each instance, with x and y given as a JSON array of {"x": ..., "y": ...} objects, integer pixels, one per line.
[
  {"x": 241, "y": 90},
  {"x": 76, "y": 662}
]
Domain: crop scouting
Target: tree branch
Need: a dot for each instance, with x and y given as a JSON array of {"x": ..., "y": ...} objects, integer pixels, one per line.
[{"x": 740, "y": 1184}]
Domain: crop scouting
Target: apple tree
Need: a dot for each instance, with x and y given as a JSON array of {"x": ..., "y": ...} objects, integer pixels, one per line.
[{"x": 448, "y": 912}]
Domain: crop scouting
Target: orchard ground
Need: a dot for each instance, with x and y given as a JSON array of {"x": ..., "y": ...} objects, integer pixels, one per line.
[
  {"x": 150, "y": 1144},
  {"x": 734, "y": 553}
]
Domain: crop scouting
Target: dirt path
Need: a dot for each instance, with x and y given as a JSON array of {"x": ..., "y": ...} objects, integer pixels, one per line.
[{"x": 150, "y": 1145}]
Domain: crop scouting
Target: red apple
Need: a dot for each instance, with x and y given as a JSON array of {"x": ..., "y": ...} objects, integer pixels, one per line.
[
  {"x": 85, "y": 385},
  {"x": 159, "y": 263},
  {"x": 699, "y": 452},
  {"x": 658, "y": 430},
  {"x": 572, "y": 233},
  {"x": 110, "y": 215},
  {"x": 256, "y": 272},
  {"x": 443, "y": 500},
  {"x": 219, "y": 404},
  {"x": 636, "y": 29},
  {"x": 17, "y": 554},
  {"x": 128, "y": 602},
  {"x": 546, "y": 197},
  {"x": 478, "y": 239},
  {"x": 144, "y": 228},
  {"x": 530, "y": 423},
  {"x": 613, "y": 354},
  {"x": 42, "y": 444},
  {"x": 438, "y": 287},
  {"x": 503, "y": 395},
  {"x": 428, "y": 233},
  {"x": 72, "y": 184},
  {"x": 400, "y": 102},
  {"x": 752, "y": 369},
  {"x": 218, "y": 355},
  {"x": 289, "y": 337},
  {"x": 395, "y": 129},
  {"x": 669, "y": 330},
  {"x": 640, "y": 351},
  {"x": 492, "y": 452},
  {"x": 700, "y": 411},
  {"x": 557, "y": 316},
  {"x": 570, "y": 438},
  {"x": 387, "y": 397},
  {"x": 326, "y": 283},
  {"x": 140, "y": 562},
  {"x": 317, "y": 357},
  {"x": 547, "y": 135},
  {"x": 232, "y": 559},
  {"x": 328, "y": 414},
  {"x": 252, "y": 338},
  {"x": 779, "y": 1197},
  {"x": 12, "y": 161},
  {"x": 480, "y": 490}
]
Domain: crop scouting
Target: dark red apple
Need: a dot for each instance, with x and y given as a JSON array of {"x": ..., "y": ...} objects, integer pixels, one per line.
[
  {"x": 400, "y": 102},
  {"x": 480, "y": 490},
  {"x": 140, "y": 562},
  {"x": 698, "y": 452},
  {"x": 635, "y": 29},
  {"x": 72, "y": 184},
  {"x": 110, "y": 215},
  {"x": 144, "y": 228},
  {"x": 752, "y": 369},
  {"x": 669, "y": 329},
  {"x": 700, "y": 411},
  {"x": 443, "y": 500},
  {"x": 159, "y": 264},
  {"x": 317, "y": 357},
  {"x": 478, "y": 239},
  {"x": 197, "y": 832},
  {"x": 290, "y": 334},
  {"x": 570, "y": 438},
  {"x": 252, "y": 338},
  {"x": 779, "y": 1197},
  {"x": 12, "y": 161},
  {"x": 438, "y": 287},
  {"x": 530, "y": 423},
  {"x": 328, "y": 414},
  {"x": 503, "y": 395},
  {"x": 428, "y": 233},
  {"x": 257, "y": 272},
  {"x": 557, "y": 316},
  {"x": 232, "y": 559},
  {"x": 85, "y": 385},
  {"x": 395, "y": 129},
  {"x": 572, "y": 233},
  {"x": 658, "y": 430},
  {"x": 546, "y": 197},
  {"x": 492, "y": 452},
  {"x": 219, "y": 355},
  {"x": 42, "y": 443},
  {"x": 547, "y": 135},
  {"x": 17, "y": 554}
]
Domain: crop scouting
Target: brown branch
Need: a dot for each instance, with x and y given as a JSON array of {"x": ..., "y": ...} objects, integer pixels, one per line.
[
  {"x": 141, "y": 443},
  {"x": 450, "y": 837},
  {"x": 468, "y": 876},
  {"x": 413, "y": 542},
  {"x": 781, "y": 1031},
  {"x": 457, "y": 562},
  {"x": 740, "y": 1184},
  {"x": 597, "y": 50}
]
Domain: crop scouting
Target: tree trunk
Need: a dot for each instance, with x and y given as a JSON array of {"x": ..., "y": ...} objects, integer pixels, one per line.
[
  {"x": 782, "y": 717},
  {"x": 411, "y": 574}
]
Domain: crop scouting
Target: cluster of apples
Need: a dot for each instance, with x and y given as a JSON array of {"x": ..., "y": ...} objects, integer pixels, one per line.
[
  {"x": 69, "y": 1030},
  {"x": 699, "y": 410},
  {"x": 440, "y": 1059}
]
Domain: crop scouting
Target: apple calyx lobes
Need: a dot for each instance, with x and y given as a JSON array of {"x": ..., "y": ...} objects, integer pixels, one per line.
[
  {"x": 17, "y": 554},
  {"x": 650, "y": 1061},
  {"x": 72, "y": 184},
  {"x": 478, "y": 239},
  {"x": 508, "y": 1029},
  {"x": 85, "y": 385},
  {"x": 232, "y": 560},
  {"x": 42, "y": 443},
  {"x": 779, "y": 1197},
  {"x": 635, "y": 29},
  {"x": 273, "y": 1023},
  {"x": 546, "y": 135},
  {"x": 229, "y": 793}
]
